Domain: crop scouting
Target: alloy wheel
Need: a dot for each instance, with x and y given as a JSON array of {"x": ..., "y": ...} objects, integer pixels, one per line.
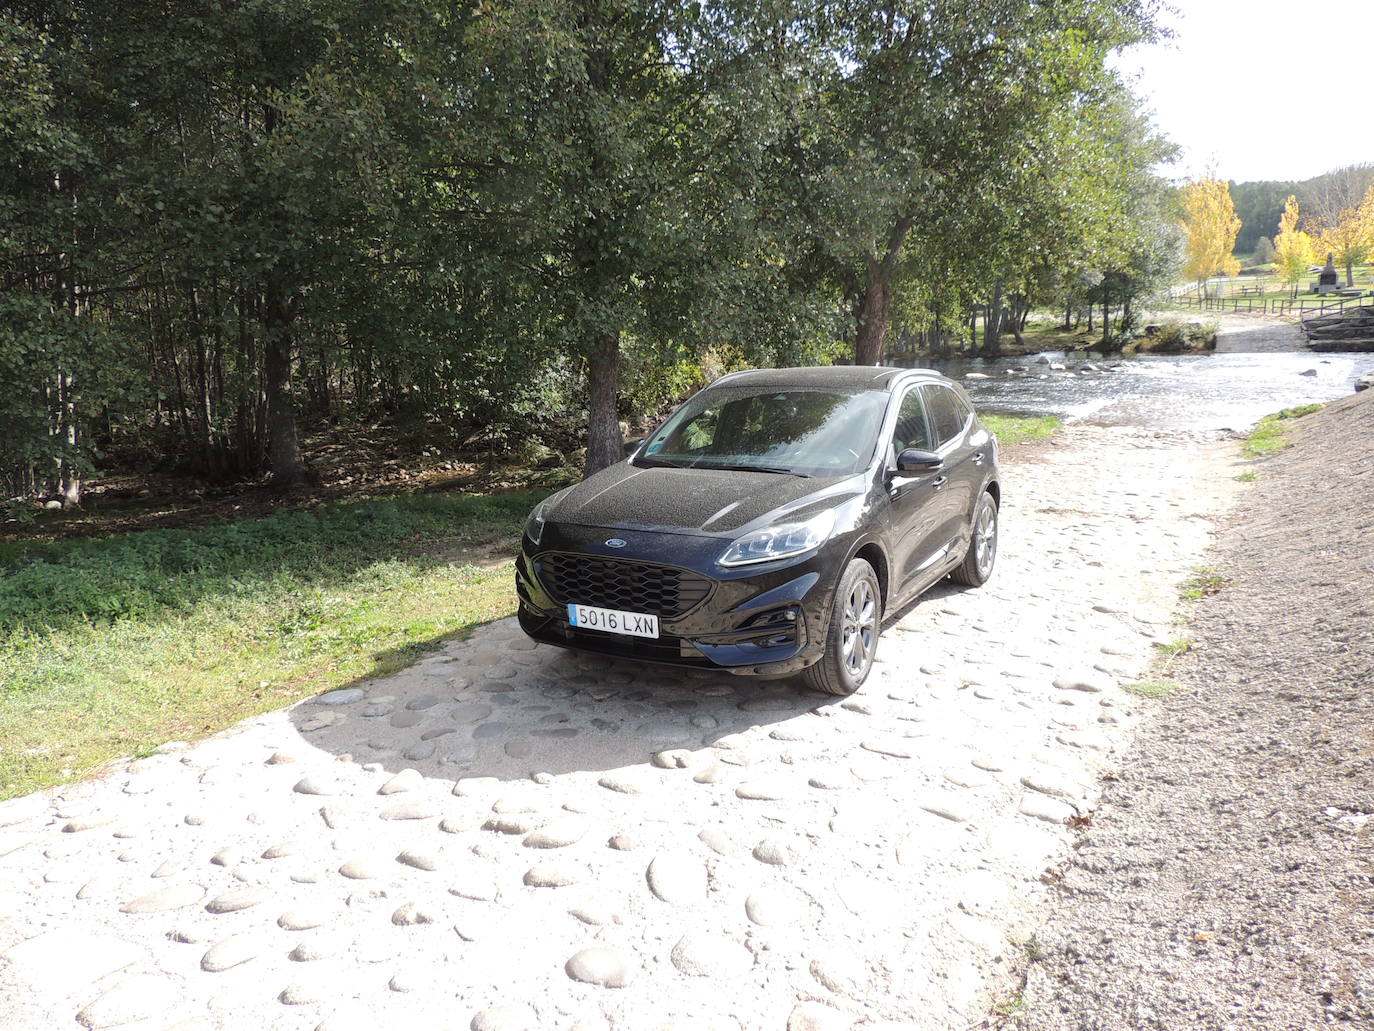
[
  {"x": 860, "y": 627},
  {"x": 985, "y": 538}
]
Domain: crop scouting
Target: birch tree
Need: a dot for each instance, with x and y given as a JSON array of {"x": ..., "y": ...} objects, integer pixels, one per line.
[
  {"x": 1292, "y": 247},
  {"x": 1211, "y": 226},
  {"x": 1349, "y": 238}
]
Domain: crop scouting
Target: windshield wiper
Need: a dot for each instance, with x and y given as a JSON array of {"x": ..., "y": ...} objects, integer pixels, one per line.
[{"x": 758, "y": 469}]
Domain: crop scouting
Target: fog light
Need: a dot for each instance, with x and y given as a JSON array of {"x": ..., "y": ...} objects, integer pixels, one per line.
[{"x": 774, "y": 617}]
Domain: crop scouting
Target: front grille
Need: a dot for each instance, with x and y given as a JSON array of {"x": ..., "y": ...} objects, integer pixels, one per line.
[{"x": 664, "y": 591}]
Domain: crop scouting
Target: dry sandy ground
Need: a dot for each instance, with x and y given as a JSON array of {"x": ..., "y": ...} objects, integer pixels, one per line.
[{"x": 1227, "y": 880}]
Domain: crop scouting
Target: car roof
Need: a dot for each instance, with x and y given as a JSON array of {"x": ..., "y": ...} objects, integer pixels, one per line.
[{"x": 844, "y": 377}]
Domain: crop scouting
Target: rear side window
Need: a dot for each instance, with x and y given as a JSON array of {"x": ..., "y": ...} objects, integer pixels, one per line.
[
  {"x": 965, "y": 409},
  {"x": 947, "y": 413}
]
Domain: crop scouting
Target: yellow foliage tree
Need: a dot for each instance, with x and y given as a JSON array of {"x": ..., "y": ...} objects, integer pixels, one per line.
[
  {"x": 1292, "y": 247},
  {"x": 1351, "y": 239},
  {"x": 1211, "y": 224}
]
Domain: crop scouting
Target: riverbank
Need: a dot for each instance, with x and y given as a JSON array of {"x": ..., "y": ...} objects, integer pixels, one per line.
[
  {"x": 1224, "y": 881},
  {"x": 1235, "y": 333},
  {"x": 1229, "y": 390}
]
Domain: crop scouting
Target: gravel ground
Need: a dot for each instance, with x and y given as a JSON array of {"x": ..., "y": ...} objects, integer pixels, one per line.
[{"x": 1227, "y": 879}]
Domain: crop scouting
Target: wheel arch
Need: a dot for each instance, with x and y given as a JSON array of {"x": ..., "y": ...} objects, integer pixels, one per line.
[
  {"x": 995, "y": 489},
  {"x": 872, "y": 553}
]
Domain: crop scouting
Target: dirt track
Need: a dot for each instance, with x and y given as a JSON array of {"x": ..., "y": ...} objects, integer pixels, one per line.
[
  {"x": 1227, "y": 881},
  {"x": 1250, "y": 333}
]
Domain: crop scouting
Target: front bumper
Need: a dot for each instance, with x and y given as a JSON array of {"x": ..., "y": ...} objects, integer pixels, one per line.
[{"x": 768, "y": 619}]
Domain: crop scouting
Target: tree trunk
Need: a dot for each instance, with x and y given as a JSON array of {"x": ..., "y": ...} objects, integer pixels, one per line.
[
  {"x": 1349, "y": 273},
  {"x": 605, "y": 445},
  {"x": 284, "y": 450},
  {"x": 992, "y": 322},
  {"x": 279, "y": 309},
  {"x": 870, "y": 328},
  {"x": 69, "y": 479},
  {"x": 248, "y": 439},
  {"x": 871, "y": 311}
]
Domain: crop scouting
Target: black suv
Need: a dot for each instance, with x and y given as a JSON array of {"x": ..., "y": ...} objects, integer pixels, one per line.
[{"x": 768, "y": 524}]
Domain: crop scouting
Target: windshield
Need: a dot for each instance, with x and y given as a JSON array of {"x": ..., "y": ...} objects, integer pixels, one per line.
[{"x": 801, "y": 432}]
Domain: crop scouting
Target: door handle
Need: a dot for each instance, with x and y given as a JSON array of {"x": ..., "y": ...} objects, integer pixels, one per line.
[
  {"x": 978, "y": 458},
  {"x": 939, "y": 482}
]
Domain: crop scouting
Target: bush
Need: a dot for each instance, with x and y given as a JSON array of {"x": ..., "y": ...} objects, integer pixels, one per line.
[{"x": 1175, "y": 337}]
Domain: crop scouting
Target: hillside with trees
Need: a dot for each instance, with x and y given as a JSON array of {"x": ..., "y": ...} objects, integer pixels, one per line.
[
  {"x": 222, "y": 226},
  {"x": 1260, "y": 204}
]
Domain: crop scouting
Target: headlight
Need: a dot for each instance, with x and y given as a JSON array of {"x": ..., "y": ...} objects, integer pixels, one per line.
[
  {"x": 781, "y": 541},
  {"x": 534, "y": 526}
]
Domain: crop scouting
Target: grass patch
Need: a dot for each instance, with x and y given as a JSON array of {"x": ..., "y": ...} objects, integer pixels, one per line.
[
  {"x": 1166, "y": 654},
  {"x": 1010, "y": 1005},
  {"x": 1204, "y": 583},
  {"x": 1173, "y": 649},
  {"x": 1299, "y": 411},
  {"x": 1249, "y": 476},
  {"x": 1270, "y": 436},
  {"x": 1020, "y": 429},
  {"x": 1156, "y": 687},
  {"x": 111, "y": 646},
  {"x": 1052, "y": 336}
]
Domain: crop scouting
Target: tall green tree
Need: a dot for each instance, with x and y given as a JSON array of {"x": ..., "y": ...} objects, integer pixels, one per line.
[
  {"x": 619, "y": 158},
  {"x": 237, "y": 170},
  {"x": 57, "y": 366},
  {"x": 926, "y": 112}
]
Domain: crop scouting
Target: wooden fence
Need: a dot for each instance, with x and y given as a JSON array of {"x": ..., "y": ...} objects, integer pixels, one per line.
[{"x": 1302, "y": 306}]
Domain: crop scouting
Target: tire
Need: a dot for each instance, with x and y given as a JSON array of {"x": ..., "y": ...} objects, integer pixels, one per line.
[
  {"x": 976, "y": 569},
  {"x": 850, "y": 643}
]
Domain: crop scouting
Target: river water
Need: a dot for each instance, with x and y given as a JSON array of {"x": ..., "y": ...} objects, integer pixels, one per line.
[{"x": 1196, "y": 392}]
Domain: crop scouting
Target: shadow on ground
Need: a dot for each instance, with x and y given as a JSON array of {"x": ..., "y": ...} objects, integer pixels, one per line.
[{"x": 496, "y": 704}]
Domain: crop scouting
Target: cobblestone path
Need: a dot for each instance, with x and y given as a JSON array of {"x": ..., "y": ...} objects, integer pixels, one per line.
[{"x": 507, "y": 836}]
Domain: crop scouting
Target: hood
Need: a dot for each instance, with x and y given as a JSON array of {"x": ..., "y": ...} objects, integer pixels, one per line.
[{"x": 706, "y": 501}]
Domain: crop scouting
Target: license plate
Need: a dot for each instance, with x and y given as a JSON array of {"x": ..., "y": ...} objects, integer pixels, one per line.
[{"x": 613, "y": 621}]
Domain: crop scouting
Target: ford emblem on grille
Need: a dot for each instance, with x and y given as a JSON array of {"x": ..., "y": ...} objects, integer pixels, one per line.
[{"x": 615, "y": 542}]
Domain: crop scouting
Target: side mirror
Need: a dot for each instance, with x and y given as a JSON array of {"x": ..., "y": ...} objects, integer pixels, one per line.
[
  {"x": 914, "y": 460},
  {"x": 631, "y": 446}
]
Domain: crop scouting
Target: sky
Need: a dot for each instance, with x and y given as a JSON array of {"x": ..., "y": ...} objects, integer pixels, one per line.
[{"x": 1255, "y": 89}]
